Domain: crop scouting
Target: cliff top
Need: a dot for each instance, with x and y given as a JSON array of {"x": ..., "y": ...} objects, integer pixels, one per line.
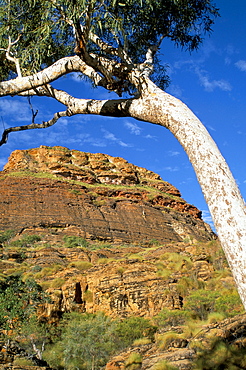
[{"x": 91, "y": 168}]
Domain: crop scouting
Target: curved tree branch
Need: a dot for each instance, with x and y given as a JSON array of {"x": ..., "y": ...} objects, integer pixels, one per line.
[
  {"x": 61, "y": 67},
  {"x": 32, "y": 126}
]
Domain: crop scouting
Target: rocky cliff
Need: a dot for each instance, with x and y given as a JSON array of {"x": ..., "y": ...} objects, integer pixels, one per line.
[{"x": 95, "y": 196}]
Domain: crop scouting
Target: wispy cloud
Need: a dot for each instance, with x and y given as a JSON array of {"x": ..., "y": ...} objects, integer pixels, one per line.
[
  {"x": 111, "y": 137},
  {"x": 241, "y": 64},
  {"x": 150, "y": 137},
  {"x": 173, "y": 153},
  {"x": 171, "y": 169},
  {"x": 16, "y": 110},
  {"x": 175, "y": 90},
  {"x": 133, "y": 127},
  {"x": 210, "y": 85},
  {"x": 211, "y": 128}
]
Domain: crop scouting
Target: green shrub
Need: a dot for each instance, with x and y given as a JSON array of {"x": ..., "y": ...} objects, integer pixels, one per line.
[
  {"x": 86, "y": 342},
  {"x": 215, "y": 317},
  {"x": 5, "y": 236},
  {"x": 75, "y": 241},
  {"x": 132, "y": 328},
  {"x": 171, "y": 317},
  {"x": 188, "y": 283},
  {"x": 163, "y": 271},
  {"x": 201, "y": 303},
  {"x": 25, "y": 241},
  {"x": 229, "y": 303},
  {"x": 36, "y": 268},
  {"x": 177, "y": 261}
]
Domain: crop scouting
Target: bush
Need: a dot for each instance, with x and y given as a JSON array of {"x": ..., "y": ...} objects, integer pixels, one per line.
[
  {"x": 201, "y": 303},
  {"x": 171, "y": 317},
  {"x": 132, "y": 328},
  {"x": 75, "y": 241},
  {"x": 229, "y": 303},
  {"x": 188, "y": 283},
  {"x": 26, "y": 241},
  {"x": 177, "y": 261},
  {"x": 215, "y": 317},
  {"x": 57, "y": 283},
  {"x": 5, "y": 236},
  {"x": 86, "y": 342}
]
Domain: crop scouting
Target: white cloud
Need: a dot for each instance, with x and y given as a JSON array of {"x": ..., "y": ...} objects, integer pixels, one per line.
[
  {"x": 241, "y": 64},
  {"x": 230, "y": 49},
  {"x": 211, "y": 128},
  {"x": 97, "y": 142},
  {"x": 150, "y": 137},
  {"x": 133, "y": 127},
  {"x": 110, "y": 136},
  {"x": 210, "y": 85},
  {"x": 227, "y": 61},
  {"x": 175, "y": 90},
  {"x": 17, "y": 110},
  {"x": 173, "y": 153},
  {"x": 171, "y": 169}
]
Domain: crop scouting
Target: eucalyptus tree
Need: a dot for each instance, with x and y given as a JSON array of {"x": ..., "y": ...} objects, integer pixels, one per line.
[{"x": 115, "y": 44}]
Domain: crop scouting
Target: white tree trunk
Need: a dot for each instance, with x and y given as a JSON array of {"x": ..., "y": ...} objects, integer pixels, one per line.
[{"x": 218, "y": 185}]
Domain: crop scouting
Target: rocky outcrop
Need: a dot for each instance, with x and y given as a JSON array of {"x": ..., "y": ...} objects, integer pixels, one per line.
[
  {"x": 118, "y": 280},
  {"x": 95, "y": 196}
]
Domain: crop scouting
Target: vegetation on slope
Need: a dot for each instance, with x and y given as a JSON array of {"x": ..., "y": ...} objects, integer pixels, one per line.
[{"x": 86, "y": 341}]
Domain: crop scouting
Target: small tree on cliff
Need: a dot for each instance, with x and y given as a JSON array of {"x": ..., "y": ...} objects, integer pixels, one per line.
[{"x": 115, "y": 44}]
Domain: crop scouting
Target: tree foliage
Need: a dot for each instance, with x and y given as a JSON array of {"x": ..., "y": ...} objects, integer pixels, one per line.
[
  {"x": 88, "y": 340},
  {"x": 35, "y": 33},
  {"x": 18, "y": 301}
]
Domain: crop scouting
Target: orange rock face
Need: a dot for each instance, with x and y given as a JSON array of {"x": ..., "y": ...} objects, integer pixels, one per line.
[{"x": 95, "y": 196}]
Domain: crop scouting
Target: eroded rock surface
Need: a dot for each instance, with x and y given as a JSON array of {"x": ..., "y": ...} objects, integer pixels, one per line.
[{"x": 95, "y": 196}]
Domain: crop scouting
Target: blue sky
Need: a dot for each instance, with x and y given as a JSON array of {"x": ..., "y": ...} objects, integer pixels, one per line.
[{"x": 210, "y": 81}]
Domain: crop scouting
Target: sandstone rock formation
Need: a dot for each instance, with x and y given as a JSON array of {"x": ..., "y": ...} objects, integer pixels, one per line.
[{"x": 95, "y": 196}]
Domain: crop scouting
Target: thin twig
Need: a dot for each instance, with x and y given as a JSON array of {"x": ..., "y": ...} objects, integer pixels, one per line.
[{"x": 31, "y": 126}]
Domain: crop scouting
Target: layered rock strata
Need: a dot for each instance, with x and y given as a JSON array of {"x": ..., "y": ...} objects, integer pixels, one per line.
[{"x": 95, "y": 196}]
